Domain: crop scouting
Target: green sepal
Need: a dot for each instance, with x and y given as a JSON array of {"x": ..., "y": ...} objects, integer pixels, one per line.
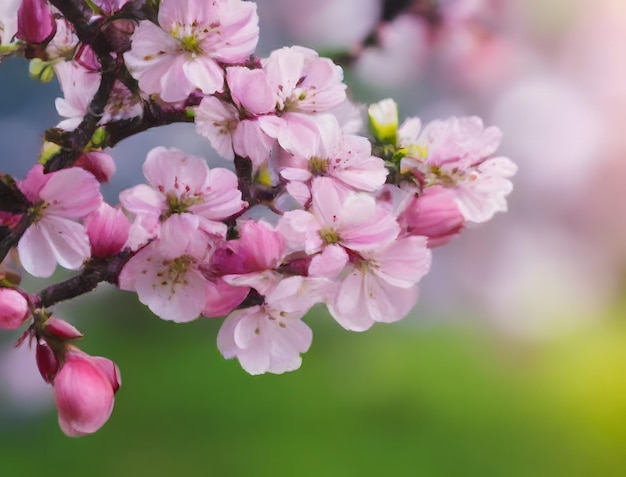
[{"x": 41, "y": 70}]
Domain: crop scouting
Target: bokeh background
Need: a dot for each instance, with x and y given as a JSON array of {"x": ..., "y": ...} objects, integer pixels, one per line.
[{"x": 513, "y": 362}]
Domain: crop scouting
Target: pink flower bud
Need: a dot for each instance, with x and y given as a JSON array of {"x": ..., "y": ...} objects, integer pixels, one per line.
[
  {"x": 108, "y": 230},
  {"x": 13, "y": 309},
  {"x": 35, "y": 21},
  {"x": 47, "y": 362},
  {"x": 435, "y": 215},
  {"x": 100, "y": 164},
  {"x": 62, "y": 329},
  {"x": 84, "y": 391}
]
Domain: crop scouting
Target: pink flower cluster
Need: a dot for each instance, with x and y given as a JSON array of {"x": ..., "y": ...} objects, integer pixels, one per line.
[{"x": 350, "y": 213}]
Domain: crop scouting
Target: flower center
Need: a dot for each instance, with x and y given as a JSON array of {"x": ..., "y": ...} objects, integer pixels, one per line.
[
  {"x": 180, "y": 204},
  {"x": 329, "y": 236},
  {"x": 318, "y": 165},
  {"x": 191, "y": 45}
]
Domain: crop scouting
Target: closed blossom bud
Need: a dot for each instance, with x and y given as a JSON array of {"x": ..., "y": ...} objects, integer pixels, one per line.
[
  {"x": 108, "y": 230},
  {"x": 13, "y": 309},
  {"x": 84, "y": 392},
  {"x": 62, "y": 329},
  {"x": 383, "y": 118},
  {"x": 100, "y": 164},
  {"x": 435, "y": 215},
  {"x": 47, "y": 362},
  {"x": 35, "y": 21}
]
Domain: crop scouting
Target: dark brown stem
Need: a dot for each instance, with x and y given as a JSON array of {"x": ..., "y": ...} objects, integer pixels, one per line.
[
  {"x": 243, "y": 168},
  {"x": 153, "y": 116},
  {"x": 10, "y": 239},
  {"x": 89, "y": 33},
  {"x": 96, "y": 271}
]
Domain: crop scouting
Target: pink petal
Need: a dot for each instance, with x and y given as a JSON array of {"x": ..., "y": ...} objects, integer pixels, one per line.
[
  {"x": 72, "y": 193},
  {"x": 205, "y": 74},
  {"x": 349, "y": 307},
  {"x": 404, "y": 262},
  {"x": 68, "y": 241},
  {"x": 172, "y": 170},
  {"x": 330, "y": 263},
  {"x": 35, "y": 252},
  {"x": 250, "y": 90}
]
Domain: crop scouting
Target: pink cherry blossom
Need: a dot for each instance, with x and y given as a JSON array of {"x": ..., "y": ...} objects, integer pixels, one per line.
[
  {"x": 185, "y": 51},
  {"x": 79, "y": 85},
  {"x": 340, "y": 219},
  {"x": 382, "y": 287},
  {"x": 304, "y": 85},
  {"x": 259, "y": 247},
  {"x": 54, "y": 237},
  {"x": 456, "y": 154},
  {"x": 345, "y": 158},
  {"x": 167, "y": 273},
  {"x": 180, "y": 183},
  {"x": 84, "y": 390},
  {"x": 271, "y": 337},
  {"x": 485, "y": 190},
  {"x": 234, "y": 129}
]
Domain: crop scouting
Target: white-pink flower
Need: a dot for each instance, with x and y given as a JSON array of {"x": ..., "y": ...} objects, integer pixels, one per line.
[
  {"x": 382, "y": 286},
  {"x": 181, "y": 183},
  {"x": 234, "y": 128},
  {"x": 270, "y": 337},
  {"x": 259, "y": 248},
  {"x": 188, "y": 47},
  {"x": 304, "y": 85},
  {"x": 455, "y": 153},
  {"x": 339, "y": 221},
  {"x": 79, "y": 85},
  {"x": 57, "y": 199},
  {"x": 343, "y": 157},
  {"x": 166, "y": 273}
]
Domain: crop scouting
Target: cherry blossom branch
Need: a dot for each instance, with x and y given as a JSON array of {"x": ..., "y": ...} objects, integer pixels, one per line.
[
  {"x": 79, "y": 15},
  {"x": 154, "y": 115},
  {"x": 95, "y": 272}
]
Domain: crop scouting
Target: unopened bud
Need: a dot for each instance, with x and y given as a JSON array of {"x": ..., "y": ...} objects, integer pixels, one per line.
[
  {"x": 383, "y": 118},
  {"x": 84, "y": 390},
  {"x": 100, "y": 164},
  {"x": 435, "y": 215},
  {"x": 13, "y": 309},
  {"x": 62, "y": 329},
  {"x": 47, "y": 362},
  {"x": 35, "y": 21},
  {"x": 108, "y": 231}
]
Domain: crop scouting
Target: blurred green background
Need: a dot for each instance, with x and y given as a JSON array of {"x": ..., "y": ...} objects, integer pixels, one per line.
[{"x": 432, "y": 399}]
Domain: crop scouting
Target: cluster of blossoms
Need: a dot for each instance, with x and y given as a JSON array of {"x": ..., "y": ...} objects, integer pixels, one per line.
[{"x": 354, "y": 201}]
